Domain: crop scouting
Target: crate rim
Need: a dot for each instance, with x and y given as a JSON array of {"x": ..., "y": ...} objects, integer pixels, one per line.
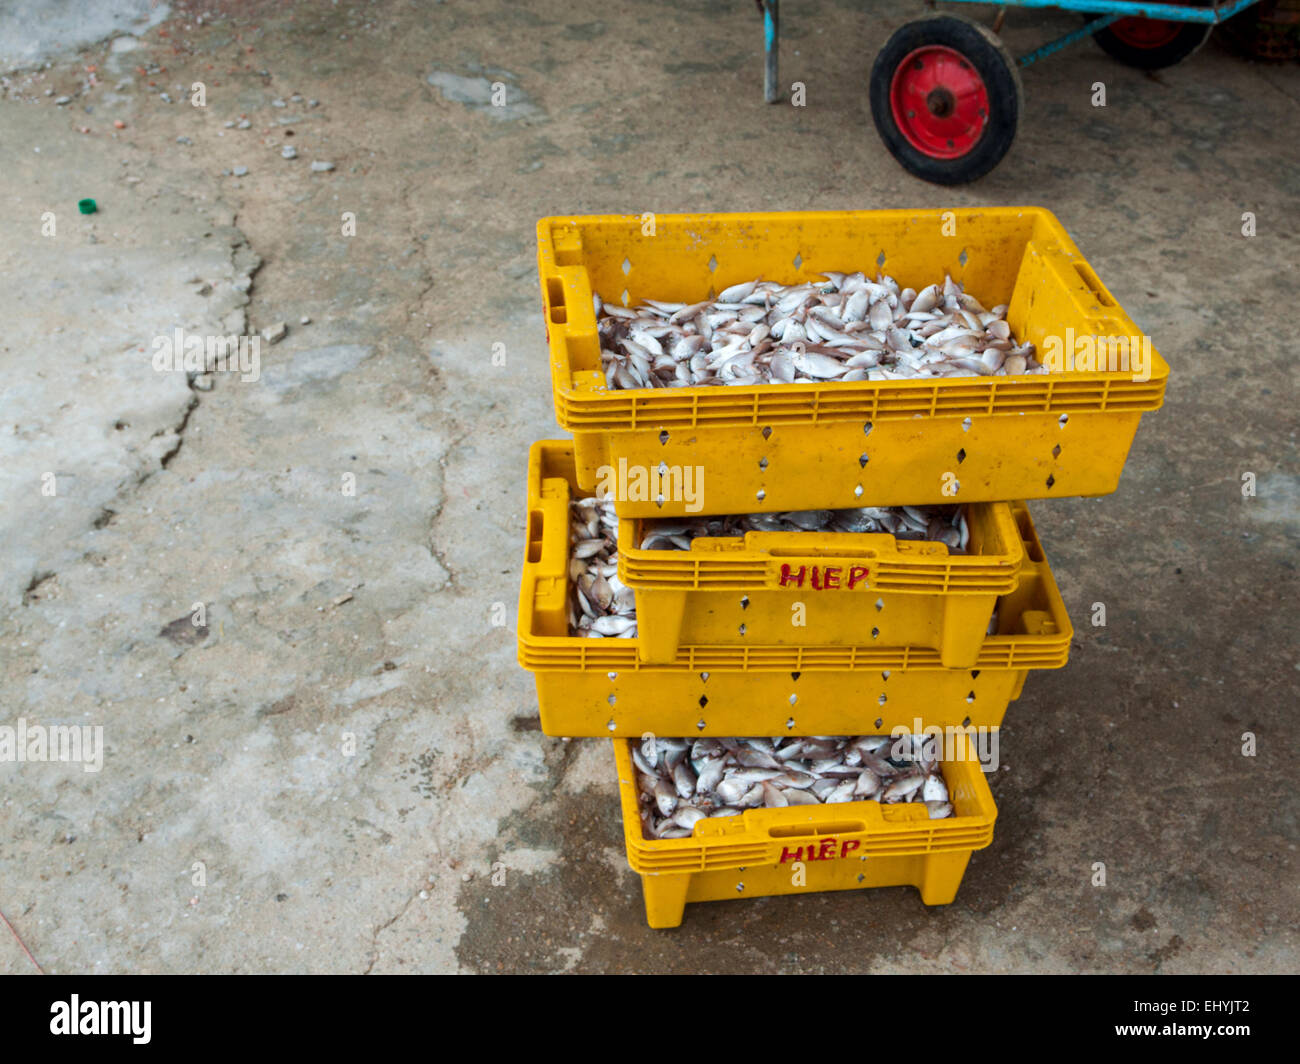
[
  {"x": 857, "y": 398},
  {"x": 563, "y": 653},
  {"x": 754, "y": 844}
]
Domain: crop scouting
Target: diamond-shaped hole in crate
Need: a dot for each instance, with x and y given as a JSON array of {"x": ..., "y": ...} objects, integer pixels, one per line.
[
  {"x": 762, "y": 463},
  {"x": 961, "y": 456},
  {"x": 1056, "y": 451},
  {"x": 627, "y": 266},
  {"x": 863, "y": 459},
  {"x": 713, "y": 263},
  {"x": 663, "y": 436}
]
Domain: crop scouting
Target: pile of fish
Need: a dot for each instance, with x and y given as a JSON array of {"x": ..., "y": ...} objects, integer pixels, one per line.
[
  {"x": 599, "y": 605},
  {"x": 682, "y": 781},
  {"x": 845, "y": 328},
  {"x": 941, "y": 524}
]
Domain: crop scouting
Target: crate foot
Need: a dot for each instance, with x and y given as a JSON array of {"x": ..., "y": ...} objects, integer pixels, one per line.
[
  {"x": 659, "y": 624},
  {"x": 942, "y": 876},
  {"x": 965, "y": 624},
  {"x": 1019, "y": 685},
  {"x": 665, "y": 899}
]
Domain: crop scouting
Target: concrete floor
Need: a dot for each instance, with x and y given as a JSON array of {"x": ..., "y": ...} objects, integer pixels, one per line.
[{"x": 369, "y": 615}]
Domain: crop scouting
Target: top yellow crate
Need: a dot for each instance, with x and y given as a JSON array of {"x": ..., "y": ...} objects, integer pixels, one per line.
[{"x": 771, "y": 447}]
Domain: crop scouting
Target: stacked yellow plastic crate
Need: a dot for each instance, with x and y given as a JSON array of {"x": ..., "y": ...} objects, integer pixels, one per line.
[{"x": 892, "y": 635}]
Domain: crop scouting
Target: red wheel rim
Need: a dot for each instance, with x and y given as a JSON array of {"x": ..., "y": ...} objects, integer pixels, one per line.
[
  {"x": 939, "y": 101},
  {"x": 1145, "y": 32}
]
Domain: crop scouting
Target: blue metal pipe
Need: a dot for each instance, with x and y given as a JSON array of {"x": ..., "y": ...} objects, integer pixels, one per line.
[
  {"x": 1055, "y": 46},
  {"x": 1136, "y": 8},
  {"x": 771, "y": 41}
]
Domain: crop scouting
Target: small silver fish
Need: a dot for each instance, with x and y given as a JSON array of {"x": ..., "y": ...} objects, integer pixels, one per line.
[{"x": 701, "y": 778}]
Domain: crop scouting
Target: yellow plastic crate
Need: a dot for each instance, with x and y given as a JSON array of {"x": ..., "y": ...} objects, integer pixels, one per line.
[
  {"x": 840, "y": 847},
  {"x": 588, "y": 687},
  {"x": 846, "y": 588},
  {"x": 862, "y": 443}
]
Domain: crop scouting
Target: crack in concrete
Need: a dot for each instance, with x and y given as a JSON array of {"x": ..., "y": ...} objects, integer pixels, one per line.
[
  {"x": 374, "y": 935},
  {"x": 404, "y": 197},
  {"x": 179, "y": 430},
  {"x": 434, "y": 520}
]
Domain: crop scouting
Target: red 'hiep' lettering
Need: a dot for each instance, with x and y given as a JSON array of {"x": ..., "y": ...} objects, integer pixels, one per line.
[
  {"x": 786, "y": 855},
  {"x": 788, "y": 577},
  {"x": 856, "y": 573}
]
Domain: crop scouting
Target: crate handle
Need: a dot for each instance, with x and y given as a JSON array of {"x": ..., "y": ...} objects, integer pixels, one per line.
[
  {"x": 814, "y": 556},
  {"x": 801, "y": 821},
  {"x": 555, "y": 308},
  {"x": 548, "y": 530},
  {"x": 847, "y": 545},
  {"x": 819, "y": 827},
  {"x": 536, "y": 525}
]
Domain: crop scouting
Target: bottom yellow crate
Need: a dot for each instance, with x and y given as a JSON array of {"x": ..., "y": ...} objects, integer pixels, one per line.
[{"x": 802, "y": 849}]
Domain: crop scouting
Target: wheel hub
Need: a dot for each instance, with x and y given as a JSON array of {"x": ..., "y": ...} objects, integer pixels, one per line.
[{"x": 939, "y": 101}]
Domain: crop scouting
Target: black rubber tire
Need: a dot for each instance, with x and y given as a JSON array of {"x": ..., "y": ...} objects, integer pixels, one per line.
[
  {"x": 1191, "y": 36},
  {"x": 994, "y": 64}
]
